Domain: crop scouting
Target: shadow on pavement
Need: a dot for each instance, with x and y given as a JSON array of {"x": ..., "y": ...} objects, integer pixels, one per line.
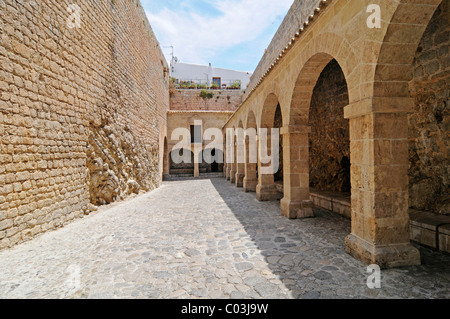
[{"x": 309, "y": 255}]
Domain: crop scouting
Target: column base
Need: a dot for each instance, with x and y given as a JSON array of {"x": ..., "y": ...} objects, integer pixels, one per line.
[
  {"x": 266, "y": 193},
  {"x": 296, "y": 209},
  {"x": 239, "y": 180},
  {"x": 227, "y": 174},
  {"x": 232, "y": 177},
  {"x": 250, "y": 185},
  {"x": 395, "y": 255}
]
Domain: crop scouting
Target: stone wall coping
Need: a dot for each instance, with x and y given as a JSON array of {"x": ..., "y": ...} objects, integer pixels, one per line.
[
  {"x": 198, "y": 111},
  {"x": 445, "y": 229}
]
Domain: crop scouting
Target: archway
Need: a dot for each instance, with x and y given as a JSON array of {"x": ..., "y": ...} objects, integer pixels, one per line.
[
  {"x": 240, "y": 156},
  {"x": 251, "y": 154},
  {"x": 212, "y": 161},
  {"x": 266, "y": 189},
  {"x": 329, "y": 142},
  {"x": 296, "y": 202},
  {"x": 182, "y": 162},
  {"x": 429, "y": 141},
  {"x": 279, "y": 175},
  {"x": 233, "y": 157},
  {"x": 379, "y": 145}
]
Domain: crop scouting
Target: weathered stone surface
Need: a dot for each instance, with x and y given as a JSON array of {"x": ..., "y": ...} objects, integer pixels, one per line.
[
  {"x": 429, "y": 122},
  {"x": 329, "y": 154},
  {"x": 191, "y": 100},
  {"x": 82, "y": 111}
]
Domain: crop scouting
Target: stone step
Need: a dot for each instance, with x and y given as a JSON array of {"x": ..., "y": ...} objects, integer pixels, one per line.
[{"x": 178, "y": 177}]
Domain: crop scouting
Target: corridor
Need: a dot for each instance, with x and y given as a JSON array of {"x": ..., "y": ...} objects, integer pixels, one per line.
[{"x": 205, "y": 239}]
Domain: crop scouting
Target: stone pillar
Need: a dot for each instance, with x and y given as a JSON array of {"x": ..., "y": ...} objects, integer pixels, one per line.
[
  {"x": 196, "y": 170},
  {"x": 379, "y": 173},
  {"x": 240, "y": 156},
  {"x": 296, "y": 202},
  {"x": 266, "y": 189},
  {"x": 166, "y": 163},
  {"x": 197, "y": 152},
  {"x": 250, "y": 179},
  {"x": 227, "y": 171},
  {"x": 233, "y": 168},
  {"x": 240, "y": 174}
]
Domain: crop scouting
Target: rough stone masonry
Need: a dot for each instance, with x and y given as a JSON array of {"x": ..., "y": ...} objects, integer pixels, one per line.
[{"x": 82, "y": 110}]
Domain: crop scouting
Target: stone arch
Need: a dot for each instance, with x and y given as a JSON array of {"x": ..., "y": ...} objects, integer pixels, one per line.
[
  {"x": 268, "y": 110},
  {"x": 329, "y": 140},
  {"x": 266, "y": 189},
  {"x": 394, "y": 66},
  {"x": 304, "y": 87},
  {"x": 379, "y": 137},
  {"x": 296, "y": 202},
  {"x": 185, "y": 167},
  {"x": 232, "y": 154},
  {"x": 240, "y": 155},
  {"x": 429, "y": 181},
  {"x": 250, "y": 120},
  {"x": 251, "y": 153},
  {"x": 308, "y": 66}
]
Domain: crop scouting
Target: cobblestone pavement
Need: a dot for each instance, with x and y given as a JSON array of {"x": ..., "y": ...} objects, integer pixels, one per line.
[{"x": 205, "y": 239}]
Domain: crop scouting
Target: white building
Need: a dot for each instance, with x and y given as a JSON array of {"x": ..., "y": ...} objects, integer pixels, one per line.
[{"x": 208, "y": 75}]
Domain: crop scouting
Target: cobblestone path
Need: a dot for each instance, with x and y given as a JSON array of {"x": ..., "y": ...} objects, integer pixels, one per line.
[{"x": 205, "y": 239}]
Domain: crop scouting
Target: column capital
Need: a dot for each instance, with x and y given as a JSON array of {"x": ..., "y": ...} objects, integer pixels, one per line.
[
  {"x": 295, "y": 129},
  {"x": 379, "y": 105}
]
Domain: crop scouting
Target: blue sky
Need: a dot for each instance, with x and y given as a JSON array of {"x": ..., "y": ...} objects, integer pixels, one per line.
[{"x": 231, "y": 34}]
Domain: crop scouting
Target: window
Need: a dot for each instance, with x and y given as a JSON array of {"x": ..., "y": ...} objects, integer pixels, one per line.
[
  {"x": 196, "y": 134},
  {"x": 217, "y": 81}
]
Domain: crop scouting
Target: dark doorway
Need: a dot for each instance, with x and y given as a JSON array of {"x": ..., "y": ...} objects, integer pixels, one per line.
[{"x": 214, "y": 165}]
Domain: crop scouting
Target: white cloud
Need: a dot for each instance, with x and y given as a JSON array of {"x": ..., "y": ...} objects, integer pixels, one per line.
[{"x": 198, "y": 38}]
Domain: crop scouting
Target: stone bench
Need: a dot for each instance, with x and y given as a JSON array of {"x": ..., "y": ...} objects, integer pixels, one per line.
[
  {"x": 339, "y": 203},
  {"x": 430, "y": 230},
  {"x": 426, "y": 228}
]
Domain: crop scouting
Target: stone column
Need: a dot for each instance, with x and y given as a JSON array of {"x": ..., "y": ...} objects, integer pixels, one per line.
[
  {"x": 379, "y": 173},
  {"x": 250, "y": 179},
  {"x": 196, "y": 170},
  {"x": 240, "y": 156},
  {"x": 266, "y": 189},
  {"x": 233, "y": 168},
  {"x": 296, "y": 202},
  {"x": 240, "y": 173},
  {"x": 166, "y": 164},
  {"x": 197, "y": 152}
]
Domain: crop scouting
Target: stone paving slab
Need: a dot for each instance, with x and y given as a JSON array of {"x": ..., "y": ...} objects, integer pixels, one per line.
[{"x": 205, "y": 239}]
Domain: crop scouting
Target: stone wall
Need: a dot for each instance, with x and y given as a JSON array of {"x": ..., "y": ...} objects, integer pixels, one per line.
[
  {"x": 81, "y": 111},
  {"x": 220, "y": 100},
  {"x": 329, "y": 160},
  {"x": 429, "y": 129}
]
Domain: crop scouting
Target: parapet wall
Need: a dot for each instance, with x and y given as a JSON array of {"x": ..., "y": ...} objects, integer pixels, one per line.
[
  {"x": 297, "y": 15},
  {"x": 82, "y": 110},
  {"x": 217, "y": 100}
]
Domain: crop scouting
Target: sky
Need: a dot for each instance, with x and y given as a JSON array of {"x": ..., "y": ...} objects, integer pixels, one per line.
[{"x": 230, "y": 34}]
